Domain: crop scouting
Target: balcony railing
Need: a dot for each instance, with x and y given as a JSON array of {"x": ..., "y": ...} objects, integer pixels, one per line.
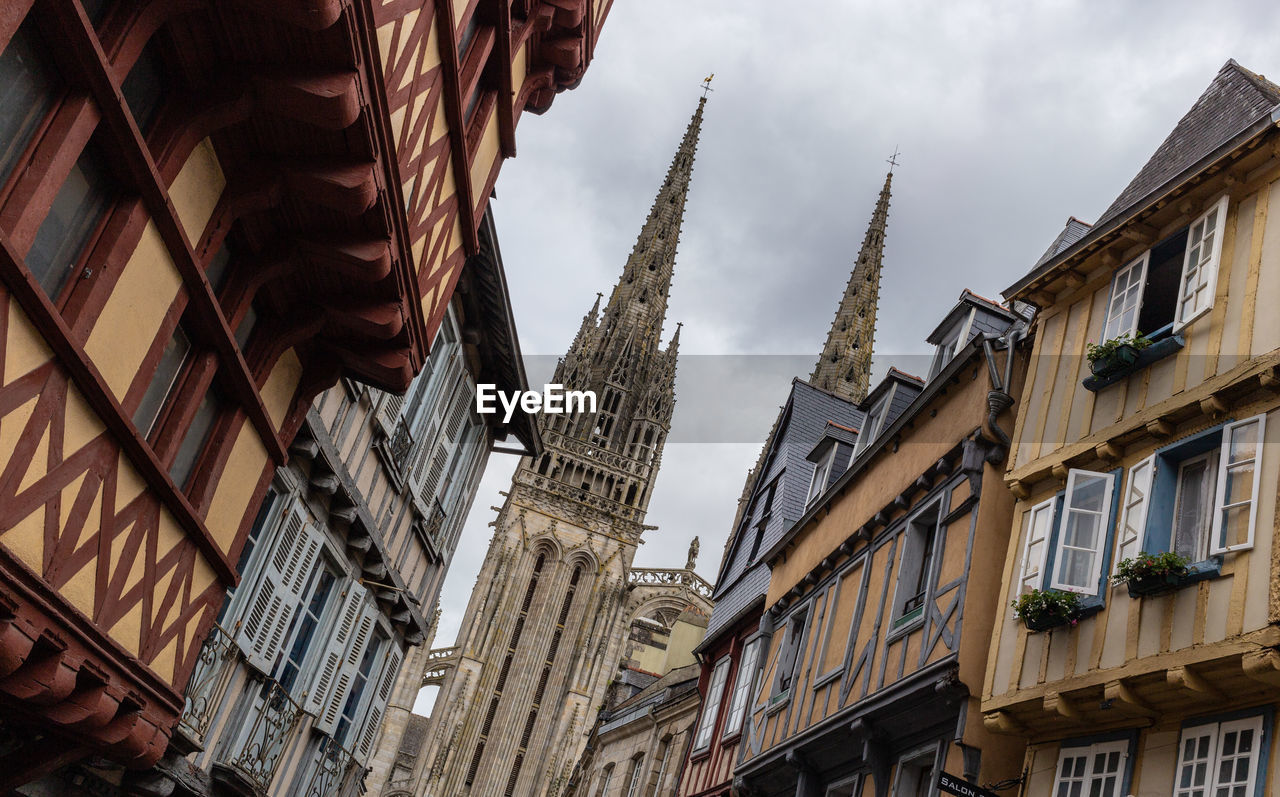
[
  {"x": 333, "y": 771},
  {"x": 208, "y": 683},
  {"x": 685, "y": 578},
  {"x": 250, "y": 759}
]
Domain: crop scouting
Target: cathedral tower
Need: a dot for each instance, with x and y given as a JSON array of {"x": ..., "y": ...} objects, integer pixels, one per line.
[
  {"x": 844, "y": 366},
  {"x": 546, "y": 626}
]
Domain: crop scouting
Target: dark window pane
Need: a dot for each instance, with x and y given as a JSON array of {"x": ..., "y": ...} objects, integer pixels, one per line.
[
  {"x": 143, "y": 89},
  {"x": 95, "y": 10},
  {"x": 79, "y": 205},
  {"x": 171, "y": 360},
  {"x": 197, "y": 435},
  {"x": 216, "y": 272},
  {"x": 246, "y": 328},
  {"x": 28, "y": 87}
]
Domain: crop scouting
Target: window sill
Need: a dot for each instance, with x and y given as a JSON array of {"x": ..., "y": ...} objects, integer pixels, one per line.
[
  {"x": 700, "y": 755},
  {"x": 1155, "y": 352},
  {"x": 906, "y": 623},
  {"x": 778, "y": 702}
]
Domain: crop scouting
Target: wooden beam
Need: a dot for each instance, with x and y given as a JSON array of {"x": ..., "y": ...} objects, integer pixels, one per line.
[
  {"x": 1262, "y": 665},
  {"x": 1003, "y": 722},
  {"x": 1056, "y": 702},
  {"x": 1186, "y": 678},
  {"x": 1119, "y": 695},
  {"x": 1160, "y": 428}
]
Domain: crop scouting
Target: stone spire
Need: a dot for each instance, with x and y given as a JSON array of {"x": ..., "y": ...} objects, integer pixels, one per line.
[{"x": 844, "y": 365}]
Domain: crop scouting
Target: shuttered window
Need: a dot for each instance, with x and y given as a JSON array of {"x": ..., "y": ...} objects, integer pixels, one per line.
[
  {"x": 280, "y": 591},
  {"x": 332, "y": 679}
]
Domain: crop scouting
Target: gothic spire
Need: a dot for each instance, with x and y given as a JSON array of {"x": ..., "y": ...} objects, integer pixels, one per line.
[
  {"x": 639, "y": 300},
  {"x": 844, "y": 365}
]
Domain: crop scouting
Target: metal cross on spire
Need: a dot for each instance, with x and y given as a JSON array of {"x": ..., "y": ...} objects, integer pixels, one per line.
[
  {"x": 706, "y": 85},
  {"x": 892, "y": 160}
]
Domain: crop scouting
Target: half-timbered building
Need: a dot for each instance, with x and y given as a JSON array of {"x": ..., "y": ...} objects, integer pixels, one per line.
[
  {"x": 209, "y": 212},
  {"x": 874, "y": 634},
  {"x": 1158, "y": 443}
]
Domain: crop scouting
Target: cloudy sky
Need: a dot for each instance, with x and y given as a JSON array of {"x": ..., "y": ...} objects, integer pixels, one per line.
[{"x": 1010, "y": 117}]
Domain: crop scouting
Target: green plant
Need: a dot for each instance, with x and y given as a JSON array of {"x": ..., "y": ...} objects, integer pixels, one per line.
[
  {"x": 1038, "y": 606},
  {"x": 1147, "y": 565},
  {"x": 1101, "y": 351}
]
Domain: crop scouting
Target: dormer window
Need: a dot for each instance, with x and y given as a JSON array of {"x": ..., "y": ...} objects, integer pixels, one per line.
[
  {"x": 1171, "y": 284},
  {"x": 875, "y": 419},
  {"x": 821, "y": 473},
  {"x": 953, "y": 341}
]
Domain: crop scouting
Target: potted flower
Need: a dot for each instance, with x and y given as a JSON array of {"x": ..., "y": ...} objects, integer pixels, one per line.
[
  {"x": 1152, "y": 573},
  {"x": 1115, "y": 355},
  {"x": 1040, "y": 610}
]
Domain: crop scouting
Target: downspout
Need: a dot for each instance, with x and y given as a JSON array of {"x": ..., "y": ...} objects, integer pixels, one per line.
[{"x": 998, "y": 398}]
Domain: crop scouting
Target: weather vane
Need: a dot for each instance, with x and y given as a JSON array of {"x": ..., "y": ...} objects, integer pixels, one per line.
[
  {"x": 892, "y": 160},
  {"x": 706, "y": 85}
]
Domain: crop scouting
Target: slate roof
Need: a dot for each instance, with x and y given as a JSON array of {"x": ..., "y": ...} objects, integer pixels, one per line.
[
  {"x": 1072, "y": 232},
  {"x": 1235, "y": 101},
  {"x": 803, "y": 422}
]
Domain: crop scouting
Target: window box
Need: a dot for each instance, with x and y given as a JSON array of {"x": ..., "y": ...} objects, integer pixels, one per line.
[
  {"x": 1155, "y": 584},
  {"x": 1041, "y": 610},
  {"x": 1120, "y": 359},
  {"x": 1143, "y": 358},
  {"x": 1152, "y": 574}
]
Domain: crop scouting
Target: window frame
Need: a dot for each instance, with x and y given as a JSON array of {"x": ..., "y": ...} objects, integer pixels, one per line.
[
  {"x": 1215, "y": 729},
  {"x": 919, "y": 757},
  {"x": 1134, "y": 510},
  {"x": 793, "y": 642},
  {"x": 1051, "y": 506},
  {"x": 1216, "y": 543},
  {"x": 1106, "y": 524},
  {"x": 743, "y": 685},
  {"x": 927, "y": 553},
  {"x": 1091, "y": 752},
  {"x": 1209, "y": 265},
  {"x": 1208, "y": 510},
  {"x": 1113, "y": 313},
  {"x": 711, "y": 706},
  {"x": 824, "y": 467}
]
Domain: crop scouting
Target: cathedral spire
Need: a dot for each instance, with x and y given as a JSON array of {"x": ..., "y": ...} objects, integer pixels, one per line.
[
  {"x": 844, "y": 365},
  {"x": 639, "y": 300}
]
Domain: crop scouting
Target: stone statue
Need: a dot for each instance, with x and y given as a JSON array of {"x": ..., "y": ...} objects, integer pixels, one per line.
[{"x": 693, "y": 554}]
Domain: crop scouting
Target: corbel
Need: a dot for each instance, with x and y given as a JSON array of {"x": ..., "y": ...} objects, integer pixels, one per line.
[
  {"x": 1073, "y": 278},
  {"x": 1160, "y": 428},
  {"x": 1108, "y": 452},
  {"x": 1003, "y": 722},
  {"x": 923, "y": 483},
  {"x": 1056, "y": 702},
  {"x": 1059, "y": 471},
  {"x": 902, "y": 502},
  {"x": 1040, "y": 299},
  {"x": 1269, "y": 380},
  {"x": 1019, "y": 489},
  {"x": 1213, "y": 406},
  {"x": 1262, "y": 665},
  {"x": 1140, "y": 233},
  {"x": 1120, "y": 695},
  {"x": 1186, "y": 678},
  {"x": 1111, "y": 257}
]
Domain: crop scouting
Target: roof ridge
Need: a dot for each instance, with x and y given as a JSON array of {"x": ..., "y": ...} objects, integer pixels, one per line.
[{"x": 1258, "y": 80}]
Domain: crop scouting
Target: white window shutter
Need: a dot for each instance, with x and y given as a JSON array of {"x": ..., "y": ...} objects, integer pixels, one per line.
[
  {"x": 285, "y": 575},
  {"x": 1035, "y": 548},
  {"x": 335, "y": 701},
  {"x": 1126, "y": 299},
  {"x": 389, "y": 409},
  {"x": 335, "y": 653},
  {"x": 378, "y": 703},
  {"x": 1133, "y": 520},
  {"x": 1083, "y": 533},
  {"x": 1239, "y": 478},
  {"x": 1200, "y": 265}
]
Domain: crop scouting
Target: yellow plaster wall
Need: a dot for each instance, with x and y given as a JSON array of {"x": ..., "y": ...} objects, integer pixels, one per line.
[
  {"x": 235, "y": 489},
  {"x": 133, "y": 312},
  {"x": 281, "y": 385},
  {"x": 197, "y": 188}
]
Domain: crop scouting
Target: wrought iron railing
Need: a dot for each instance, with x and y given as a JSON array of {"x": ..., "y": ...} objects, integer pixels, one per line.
[
  {"x": 333, "y": 770},
  {"x": 208, "y": 682},
  {"x": 658, "y": 576},
  {"x": 255, "y": 752}
]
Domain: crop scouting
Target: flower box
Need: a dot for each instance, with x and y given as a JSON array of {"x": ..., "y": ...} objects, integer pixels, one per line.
[
  {"x": 1155, "y": 584},
  {"x": 1041, "y": 610},
  {"x": 1044, "y": 622},
  {"x": 1119, "y": 359}
]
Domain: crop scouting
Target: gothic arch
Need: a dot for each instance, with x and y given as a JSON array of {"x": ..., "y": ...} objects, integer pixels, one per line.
[
  {"x": 545, "y": 543},
  {"x": 590, "y": 565},
  {"x": 663, "y": 608}
]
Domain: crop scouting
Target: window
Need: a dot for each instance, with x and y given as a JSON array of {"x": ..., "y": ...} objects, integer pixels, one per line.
[
  {"x": 355, "y": 697},
  {"x": 1039, "y": 527},
  {"x": 789, "y": 656},
  {"x": 1134, "y": 519},
  {"x": 144, "y": 88},
  {"x": 28, "y": 88},
  {"x": 821, "y": 472},
  {"x": 655, "y": 787},
  {"x": 1197, "y": 498},
  {"x": 77, "y": 208},
  {"x": 1200, "y": 266},
  {"x": 953, "y": 342},
  {"x": 1085, "y": 523},
  {"x": 711, "y": 708},
  {"x": 915, "y": 777},
  {"x": 633, "y": 783},
  {"x": 1097, "y": 770},
  {"x": 1219, "y": 759},
  {"x": 176, "y": 351},
  {"x": 304, "y": 625},
  {"x": 742, "y": 687},
  {"x": 1172, "y": 283},
  {"x": 919, "y": 543},
  {"x": 605, "y": 777},
  {"x": 875, "y": 419},
  {"x": 196, "y": 436},
  {"x": 845, "y": 788},
  {"x": 1126, "y": 298}
]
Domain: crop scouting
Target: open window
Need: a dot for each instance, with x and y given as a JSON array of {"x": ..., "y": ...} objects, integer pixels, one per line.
[
  {"x": 1037, "y": 530},
  {"x": 789, "y": 655},
  {"x": 742, "y": 687},
  {"x": 1080, "y": 545},
  {"x": 1198, "y": 497},
  {"x": 821, "y": 473},
  {"x": 1171, "y": 284},
  {"x": 919, "y": 545},
  {"x": 711, "y": 708},
  {"x": 917, "y": 773}
]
